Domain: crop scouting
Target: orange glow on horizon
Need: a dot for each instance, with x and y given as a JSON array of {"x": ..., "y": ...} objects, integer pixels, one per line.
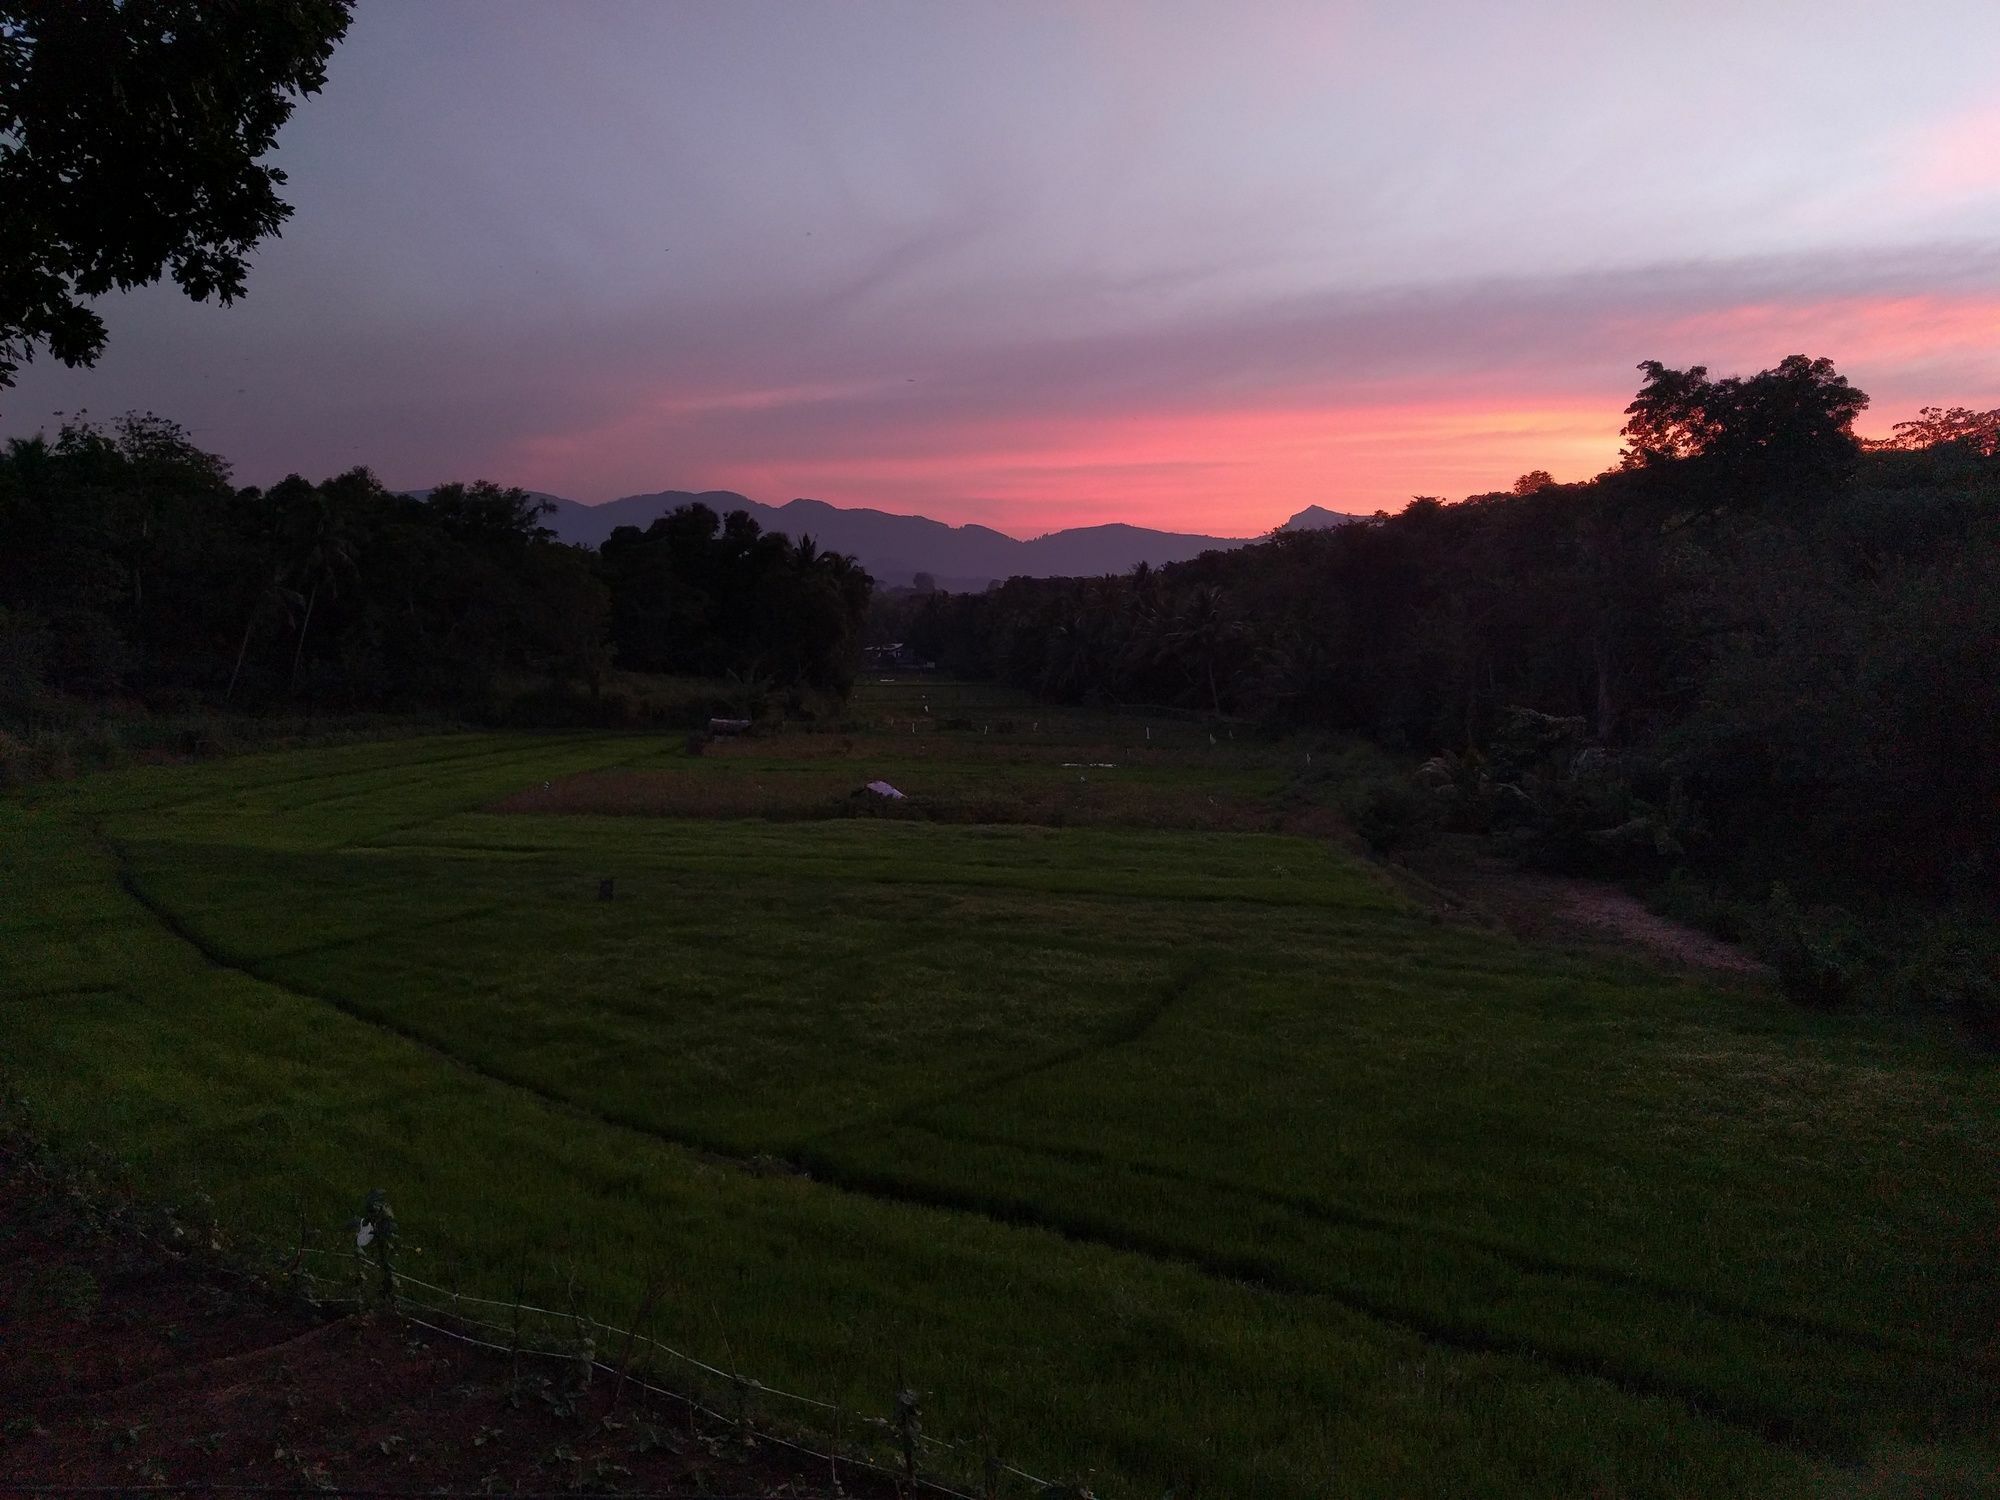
[
  {"x": 1229, "y": 473},
  {"x": 1244, "y": 465}
]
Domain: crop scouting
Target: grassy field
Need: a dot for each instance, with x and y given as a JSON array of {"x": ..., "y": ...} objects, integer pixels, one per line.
[{"x": 1152, "y": 1140}]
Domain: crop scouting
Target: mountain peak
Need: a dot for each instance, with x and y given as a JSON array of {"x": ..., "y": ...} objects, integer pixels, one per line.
[
  {"x": 1319, "y": 518},
  {"x": 895, "y": 548}
]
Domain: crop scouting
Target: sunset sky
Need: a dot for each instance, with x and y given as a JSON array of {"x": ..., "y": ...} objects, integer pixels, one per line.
[{"x": 1040, "y": 265}]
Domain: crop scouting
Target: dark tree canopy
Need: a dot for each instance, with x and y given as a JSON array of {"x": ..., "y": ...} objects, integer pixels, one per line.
[
  {"x": 716, "y": 595},
  {"x": 1671, "y": 418},
  {"x": 1778, "y": 436},
  {"x": 132, "y": 570},
  {"x": 1976, "y": 432},
  {"x": 131, "y": 133}
]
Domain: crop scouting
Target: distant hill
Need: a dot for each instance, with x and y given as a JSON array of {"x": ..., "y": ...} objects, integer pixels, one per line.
[
  {"x": 1319, "y": 518},
  {"x": 895, "y": 548}
]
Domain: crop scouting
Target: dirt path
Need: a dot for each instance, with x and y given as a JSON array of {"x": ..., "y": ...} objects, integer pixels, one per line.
[
  {"x": 1562, "y": 908},
  {"x": 1605, "y": 909}
]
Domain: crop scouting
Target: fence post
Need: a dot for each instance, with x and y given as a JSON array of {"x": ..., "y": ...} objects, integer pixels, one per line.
[
  {"x": 745, "y": 1388},
  {"x": 520, "y": 1296},
  {"x": 378, "y": 1223},
  {"x": 909, "y": 1428},
  {"x": 644, "y": 1315}
]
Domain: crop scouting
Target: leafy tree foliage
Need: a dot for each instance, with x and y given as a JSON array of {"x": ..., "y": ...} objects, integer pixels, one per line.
[
  {"x": 1975, "y": 432},
  {"x": 709, "y": 595},
  {"x": 133, "y": 569},
  {"x": 1780, "y": 437},
  {"x": 130, "y": 139}
]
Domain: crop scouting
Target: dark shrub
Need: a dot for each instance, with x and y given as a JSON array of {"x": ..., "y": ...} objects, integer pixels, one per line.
[
  {"x": 1704, "y": 904},
  {"x": 1819, "y": 952},
  {"x": 1955, "y": 967},
  {"x": 1388, "y": 812}
]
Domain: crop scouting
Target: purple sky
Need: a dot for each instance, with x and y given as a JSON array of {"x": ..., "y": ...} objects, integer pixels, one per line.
[{"x": 1036, "y": 265}]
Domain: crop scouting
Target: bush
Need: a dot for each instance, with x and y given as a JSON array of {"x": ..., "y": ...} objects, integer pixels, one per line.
[
  {"x": 19, "y": 764},
  {"x": 1819, "y": 952},
  {"x": 1954, "y": 967},
  {"x": 1459, "y": 790},
  {"x": 554, "y": 707},
  {"x": 1703, "y": 904},
  {"x": 1550, "y": 798},
  {"x": 1526, "y": 741},
  {"x": 1388, "y": 812},
  {"x": 57, "y": 750},
  {"x": 1387, "y": 809},
  {"x": 25, "y": 648}
]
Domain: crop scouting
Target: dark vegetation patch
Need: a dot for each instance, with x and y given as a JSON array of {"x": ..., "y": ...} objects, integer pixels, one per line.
[
  {"x": 135, "y": 1352},
  {"x": 144, "y": 599}
]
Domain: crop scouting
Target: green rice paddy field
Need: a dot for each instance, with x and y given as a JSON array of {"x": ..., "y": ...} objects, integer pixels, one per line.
[{"x": 1155, "y": 1145}]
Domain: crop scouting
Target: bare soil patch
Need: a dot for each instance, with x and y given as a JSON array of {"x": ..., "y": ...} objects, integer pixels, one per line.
[
  {"x": 1562, "y": 908},
  {"x": 1083, "y": 796},
  {"x": 951, "y": 747},
  {"x": 123, "y": 1363}
]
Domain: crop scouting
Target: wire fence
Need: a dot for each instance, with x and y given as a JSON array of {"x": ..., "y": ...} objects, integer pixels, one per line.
[{"x": 892, "y": 1447}]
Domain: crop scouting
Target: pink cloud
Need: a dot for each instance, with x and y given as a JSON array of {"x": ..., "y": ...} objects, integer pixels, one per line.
[
  {"x": 1856, "y": 332},
  {"x": 1958, "y": 158}
]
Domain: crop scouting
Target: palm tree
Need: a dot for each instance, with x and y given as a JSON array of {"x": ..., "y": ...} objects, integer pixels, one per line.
[
  {"x": 274, "y": 593},
  {"x": 322, "y": 556},
  {"x": 1205, "y": 633},
  {"x": 1075, "y": 654}
]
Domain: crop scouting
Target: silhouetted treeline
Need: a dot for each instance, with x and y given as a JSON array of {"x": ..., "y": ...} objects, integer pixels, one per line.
[
  {"x": 696, "y": 595},
  {"x": 1755, "y": 645},
  {"x": 131, "y": 569}
]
